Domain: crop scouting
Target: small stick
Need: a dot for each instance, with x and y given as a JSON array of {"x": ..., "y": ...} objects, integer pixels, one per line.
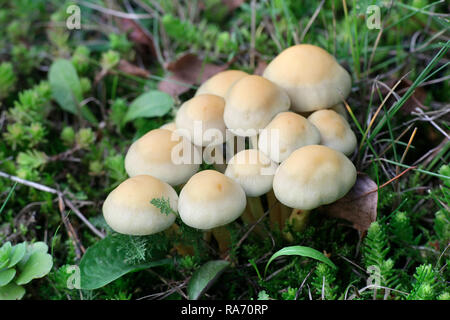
[{"x": 44, "y": 188}]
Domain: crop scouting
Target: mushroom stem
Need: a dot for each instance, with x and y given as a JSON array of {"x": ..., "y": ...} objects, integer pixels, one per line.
[
  {"x": 256, "y": 207},
  {"x": 279, "y": 213},
  {"x": 223, "y": 238},
  {"x": 179, "y": 247},
  {"x": 253, "y": 211},
  {"x": 298, "y": 220},
  {"x": 253, "y": 142}
]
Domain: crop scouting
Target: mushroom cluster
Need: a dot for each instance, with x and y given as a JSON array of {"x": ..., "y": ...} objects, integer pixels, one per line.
[{"x": 292, "y": 158}]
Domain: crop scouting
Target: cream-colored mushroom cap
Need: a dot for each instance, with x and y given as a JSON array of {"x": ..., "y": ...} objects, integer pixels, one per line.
[
  {"x": 219, "y": 83},
  {"x": 163, "y": 154},
  {"x": 334, "y": 130},
  {"x": 253, "y": 170},
  {"x": 311, "y": 76},
  {"x": 210, "y": 199},
  {"x": 287, "y": 132},
  {"x": 128, "y": 210},
  {"x": 169, "y": 126},
  {"x": 202, "y": 117},
  {"x": 251, "y": 103},
  {"x": 313, "y": 176}
]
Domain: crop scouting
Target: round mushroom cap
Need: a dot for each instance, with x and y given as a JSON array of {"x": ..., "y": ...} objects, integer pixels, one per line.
[
  {"x": 128, "y": 210},
  {"x": 210, "y": 199},
  {"x": 335, "y": 132},
  {"x": 311, "y": 76},
  {"x": 202, "y": 117},
  {"x": 165, "y": 155},
  {"x": 287, "y": 132},
  {"x": 251, "y": 103},
  {"x": 253, "y": 170},
  {"x": 220, "y": 82},
  {"x": 169, "y": 126},
  {"x": 313, "y": 176}
]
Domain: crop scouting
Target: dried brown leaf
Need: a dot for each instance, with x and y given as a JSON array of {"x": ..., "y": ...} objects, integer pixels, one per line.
[
  {"x": 260, "y": 67},
  {"x": 417, "y": 99},
  {"x": 358, "y": 206},
  {"x": 132, "y": 69},
  {"x": 137, "y": 35},
  {"x": 187, "y": 70}
]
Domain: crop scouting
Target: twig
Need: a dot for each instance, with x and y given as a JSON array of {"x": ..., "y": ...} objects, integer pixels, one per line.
[
  {"x": 70, "y": 230},
  {"x": 132, "y": 16},
  {"x": 44, "y": 188},
  {"x": 311, "y": 20},
  {"x": 303, "y": 283}
]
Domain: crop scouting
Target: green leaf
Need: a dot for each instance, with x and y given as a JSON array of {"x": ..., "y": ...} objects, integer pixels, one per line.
[
  {"x": 5, "y": 252},
  {"x": 11, "y": 292},
  {"x": 6, "y": 276},
  {"x": 66, "y": 88},
  {"x": 204, "y": 277},
  {"x": 17, "y": 253},
  {"x": 30, "y": 249},
  {"x": 107, "y": 261},
  {"x": 37, "y": 266},
  {"x": 150, "y": 104},
  {"x": 300, "y": 251}
]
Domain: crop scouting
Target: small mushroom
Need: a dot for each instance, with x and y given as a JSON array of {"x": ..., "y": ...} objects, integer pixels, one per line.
[
  {"x": 310, "y": 177},
  {"x": 209, "y": 201},
  {"x": 254, "y": 171},
  {"x": 202, "y": 118},
  {"x": 335, "y": 132},
  {"x": 128, "y": 210},
  {"x": 220, "y": 82},
  {"x": 311, "y": 76},
  {"x": 287, "y": 132},
  {"x": 313, "y": 176},
  {"x": 163, "y": 154},
  {"x": 251, "y": 103}
]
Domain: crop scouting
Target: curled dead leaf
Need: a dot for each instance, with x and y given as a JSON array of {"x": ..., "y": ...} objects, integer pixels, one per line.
[
  {"x": 187, "y": 71},
  {"x": 260, "y": 67},
  {"x": 417, "y": 99},
  {"x": 137, "y": 35},
  {"x": 358, "y": 206},
  {"x": 132, "y": 69}
]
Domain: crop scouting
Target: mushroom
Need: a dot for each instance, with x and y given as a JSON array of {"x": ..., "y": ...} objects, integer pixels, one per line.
[
  {"x": 163, "y": 154},
  {"x": 251, "y": 103},
  {"x": 335, "y": 132},
  {"x": 313, "y": 176},
  {"x": 220, "y": 82},
  {"x": 202, "y": 118},
  {"x": 254, "y": 171},
  {"x": 311, "y": 76},
  {"x": 128, "y": 210},
  {"x": 287, "y": 132},
  {"x": 209, "y": 201}
]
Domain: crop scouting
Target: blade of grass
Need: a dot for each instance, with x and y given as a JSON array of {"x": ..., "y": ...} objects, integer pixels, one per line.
[
  {"x": 8, "y": 196},
  {"x": 420, "y": 79}
]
